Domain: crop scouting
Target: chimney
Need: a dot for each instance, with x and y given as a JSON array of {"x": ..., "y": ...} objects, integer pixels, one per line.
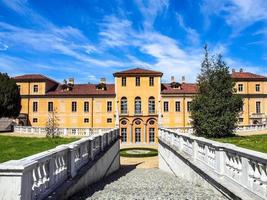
[
  {"x": 172, "y": 79},
  {"x": 241, "y": 70},
  {"x": 233, "y": 70},
  {"x": 103, "y": 80},
  {"x": 183, "y": 79},
  {"x": 71, "y": 81}
]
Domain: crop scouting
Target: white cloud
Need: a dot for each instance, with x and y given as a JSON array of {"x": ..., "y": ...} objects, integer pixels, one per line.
[
  {"x": 168, "y": 56},
  {"x": 191, "y": 34},
  {"x": 92, "y": 78},
  {"x": 3, "y": 47},
  {"x": 150, "y": 9},
  {"x": 114, "y": 31},
  {"x": 18, "y": 6},
  {"x": 238, "y": 14}
]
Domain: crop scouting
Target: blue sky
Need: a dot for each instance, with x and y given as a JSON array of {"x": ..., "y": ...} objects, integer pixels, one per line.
[{"x": 90, "y": 39}]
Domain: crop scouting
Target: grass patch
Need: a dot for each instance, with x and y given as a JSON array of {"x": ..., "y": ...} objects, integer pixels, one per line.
[
  {"x": 254, "y": 142},
  {"x": 14, "y": 148},
  {"x": 143, "y": 152}
]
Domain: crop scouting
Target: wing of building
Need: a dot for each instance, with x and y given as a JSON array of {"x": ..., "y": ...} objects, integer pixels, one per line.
[{"x": 138, "y": 102}]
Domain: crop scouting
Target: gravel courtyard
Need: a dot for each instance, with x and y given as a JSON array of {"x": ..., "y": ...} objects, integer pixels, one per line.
[{"x": 135, "y": 183}]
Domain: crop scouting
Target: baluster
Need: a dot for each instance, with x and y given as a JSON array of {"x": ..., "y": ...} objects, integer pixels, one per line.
[
  {"x": 56, "y": 171},
  {"x": 35, "y": 182},
  {"x": 263, "y": 178},
  {"x": 251, "y": 170}
]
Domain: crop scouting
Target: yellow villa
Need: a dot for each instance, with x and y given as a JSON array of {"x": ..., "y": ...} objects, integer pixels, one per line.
[{"x": 138, "y": 102}]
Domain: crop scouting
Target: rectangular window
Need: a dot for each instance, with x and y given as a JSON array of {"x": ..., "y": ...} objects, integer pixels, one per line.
[
  {"x": 50, "y": 106},
  {"x": 258, "y": 87},
  {"x": 137, "y": 81},
  {"x": 86, "y": 120},
  {"x": 86, "y": 106},
  {"x": 74, "y": 106},
  {"x": 35, "y": 106},
  {"x": 151, "y": 81},
  {"x": 124, "y": 135},
  {"x": 189, "y": 106},
  {"x": 137, "y": 134},
  {"x": 258, "y": 107},
  {"x": 109, "y": 106},
  {"x": 19, "y": 88},
  {"x": 151, "y": 134},
  {"x": 240, "y": 87},
  {"x": 151, "y": 105},
  {"x": 166, "y": 106},
  {"x": 34, "y": 120},
  {"x": 35, "y": 88},
  {"x": 177, "y": 106},
  {"x": 109, "y": 120},
  {"x": 123, "y": 81}
]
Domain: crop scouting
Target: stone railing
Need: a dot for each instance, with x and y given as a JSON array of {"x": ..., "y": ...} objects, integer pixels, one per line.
[
  {"x": 60, "y": 131},
  {"x": 257, "y": 127},
  {"x": 248, "y": 128},
  {"x": 188, "y": 130},
  {"x": 245, "y": 169},
  {"x": 36, "y": 176}
]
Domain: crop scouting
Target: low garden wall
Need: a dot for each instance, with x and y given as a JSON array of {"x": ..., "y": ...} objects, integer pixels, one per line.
[
  {"x": 60, "y": 131},
  {"x": 40, "y": 175},
  {"x": 247, "y": 128},
  {"x": 234, "y": 171}
]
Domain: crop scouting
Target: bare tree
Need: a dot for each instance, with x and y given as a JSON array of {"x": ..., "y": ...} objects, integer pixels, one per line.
[{"x": 52, "y": 124}]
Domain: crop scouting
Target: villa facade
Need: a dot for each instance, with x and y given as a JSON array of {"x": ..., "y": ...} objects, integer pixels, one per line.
[{"x": 138, "y": 102}]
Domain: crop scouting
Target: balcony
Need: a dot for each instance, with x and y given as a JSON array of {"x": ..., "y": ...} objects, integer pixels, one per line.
[{"x": 257, "y": 115}]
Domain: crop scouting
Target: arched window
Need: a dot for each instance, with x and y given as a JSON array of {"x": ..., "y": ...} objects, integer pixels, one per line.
[
  {"x": 137, "y": 105},
  {"x": 151, "y": 105},
  {"x": 123, "y": 105}
]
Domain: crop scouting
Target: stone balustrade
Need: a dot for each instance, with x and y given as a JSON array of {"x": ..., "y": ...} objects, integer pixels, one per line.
[
  {"x": 234, "y": 167},
  {"x": 257, "y": 127},
  {"x": 59, "y": 131},
  {"x": 36, "y": 176},
  {"x": 189, "y": 130}
]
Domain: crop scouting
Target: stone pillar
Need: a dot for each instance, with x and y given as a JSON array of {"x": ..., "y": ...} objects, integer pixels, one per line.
[
  {"x": 219, "y": 160},
  {"x": 72, "y": 170}
]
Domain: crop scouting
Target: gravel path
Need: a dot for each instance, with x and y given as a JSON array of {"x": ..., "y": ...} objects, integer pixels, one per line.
[{"x": 131, "y": 183}]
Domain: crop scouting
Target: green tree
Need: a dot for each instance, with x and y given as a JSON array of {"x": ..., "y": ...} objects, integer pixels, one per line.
[
  {"x": 216, "y": 107},
  {"x": 10, "y": 100}
]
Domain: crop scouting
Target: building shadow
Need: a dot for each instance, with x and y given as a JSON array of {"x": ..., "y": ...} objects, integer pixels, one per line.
[{"x": 100, "y": 185}]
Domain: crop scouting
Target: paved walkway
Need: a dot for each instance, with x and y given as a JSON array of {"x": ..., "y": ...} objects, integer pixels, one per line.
[
  {"x": 130, "y": 183},
  {"x": 140, "y": 178}
]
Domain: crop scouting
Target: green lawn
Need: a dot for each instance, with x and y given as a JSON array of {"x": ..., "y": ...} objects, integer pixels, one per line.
[
  {"x": 14, "y": 148},
  {"x": 255, "y": 142}
]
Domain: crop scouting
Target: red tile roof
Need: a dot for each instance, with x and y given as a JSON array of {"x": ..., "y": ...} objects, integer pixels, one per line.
[
  {"x": 247, "y": 76},
  {"x": 33, "y": 77},
  {"x": 186, "y": 88},
  {"x": 83, "y": 89},
  {"x": 138, "y": 71}
]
